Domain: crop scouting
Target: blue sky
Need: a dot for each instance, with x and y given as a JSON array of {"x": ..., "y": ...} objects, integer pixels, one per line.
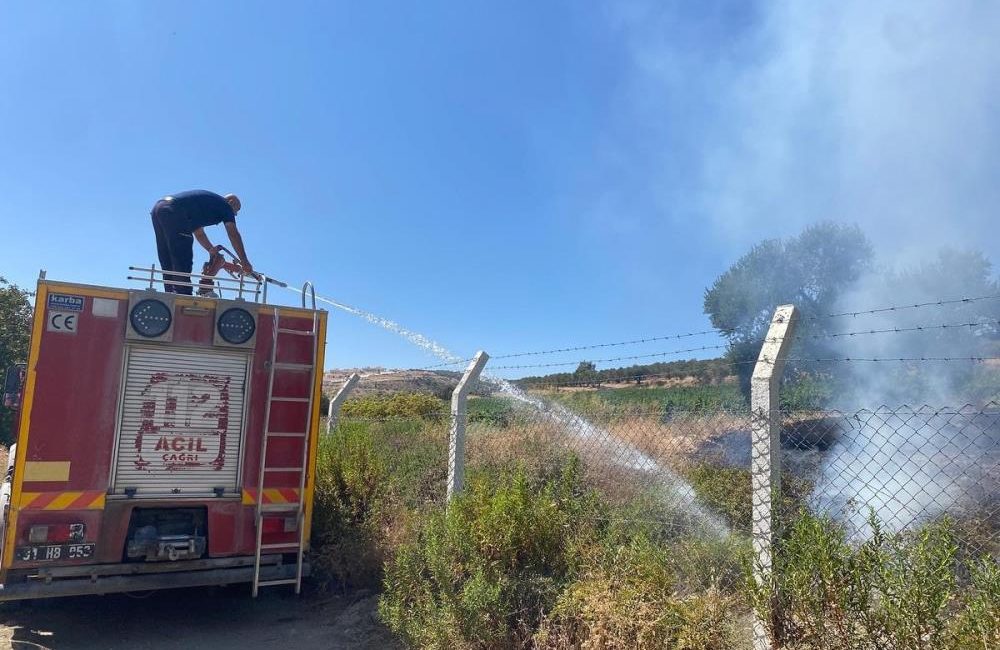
[{"x": 507, "y": 176}]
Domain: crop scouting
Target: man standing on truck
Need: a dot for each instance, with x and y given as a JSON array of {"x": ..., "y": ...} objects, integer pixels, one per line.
[{"x": 181, "y": 218}]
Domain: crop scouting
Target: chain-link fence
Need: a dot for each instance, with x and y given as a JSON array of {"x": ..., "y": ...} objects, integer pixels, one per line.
[
  {"x": 778, "y": 523},
  {"x": 901, "y": 503},
  {"x": 662, "y": 458},
  {"x": 904, "y": 466}
]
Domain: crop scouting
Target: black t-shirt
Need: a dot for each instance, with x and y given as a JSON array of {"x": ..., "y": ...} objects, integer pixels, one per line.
[{"x": 203, "y": 208}]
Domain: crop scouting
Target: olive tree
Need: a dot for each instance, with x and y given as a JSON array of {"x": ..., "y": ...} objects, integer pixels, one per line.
[{"x": 810, "y": 270}]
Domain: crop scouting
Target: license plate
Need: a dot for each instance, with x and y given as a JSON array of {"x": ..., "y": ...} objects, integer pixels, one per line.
[{"x": 55, "y": 552}]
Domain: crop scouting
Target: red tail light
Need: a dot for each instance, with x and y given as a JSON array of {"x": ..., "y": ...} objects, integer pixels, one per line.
[{"x": 56, "y": 533}]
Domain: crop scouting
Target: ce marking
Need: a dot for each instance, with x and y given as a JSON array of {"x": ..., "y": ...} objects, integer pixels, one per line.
[{"x": 64, "y": 322}]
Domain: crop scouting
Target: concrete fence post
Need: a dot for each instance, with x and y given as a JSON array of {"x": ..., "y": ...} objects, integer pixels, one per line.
[
  {"x": 456, "y": 445},
  {"x": 765, "y": 455},
  {"x": 333, "y": 411}
]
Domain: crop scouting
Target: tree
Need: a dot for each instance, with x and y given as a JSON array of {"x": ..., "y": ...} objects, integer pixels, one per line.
[
  {"x": 15, "y": 334},
  {"x": 586, "y": 372},
  {"x": 810, "y": 271}
]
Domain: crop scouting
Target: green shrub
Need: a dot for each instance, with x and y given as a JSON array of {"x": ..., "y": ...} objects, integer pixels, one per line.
[
  {"x": 806, "y": 392},
  {"x": 397, "y": 405},
  {"x": 978, "y": 624},
  {"x": 514, "y": 562},
  {"x": 630, "y": 590},
  {"x": 372, "y": 480},
  {"x": 724, "y": 489},
  {"x": 483, "y": 571},
  {"x": 350, "y": 494},
  {"x": 493, "y": 411},
  {"x": 663, "y": 400},
  {"x": 900, "y": 591},
  {"x": 727, "y": 490}
]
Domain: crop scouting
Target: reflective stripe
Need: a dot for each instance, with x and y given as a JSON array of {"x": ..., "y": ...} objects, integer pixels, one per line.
[
  {"x": 271, "y": 495},
  {"x": 62, "y": 501}
]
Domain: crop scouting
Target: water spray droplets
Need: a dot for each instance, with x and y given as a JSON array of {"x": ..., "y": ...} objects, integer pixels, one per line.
[{"x": 627, "y": 455}]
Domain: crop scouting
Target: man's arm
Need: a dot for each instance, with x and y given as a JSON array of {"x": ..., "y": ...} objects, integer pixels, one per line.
[
  {"x": 237, "y": 240},
  {"x": 199, "y": 234}
]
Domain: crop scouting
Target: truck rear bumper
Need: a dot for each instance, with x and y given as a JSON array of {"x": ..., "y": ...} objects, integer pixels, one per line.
[{"x": 108, "y": 584}]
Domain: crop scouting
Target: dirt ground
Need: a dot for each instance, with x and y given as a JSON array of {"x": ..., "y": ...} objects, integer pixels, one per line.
[{"x": 223, "y": 618}]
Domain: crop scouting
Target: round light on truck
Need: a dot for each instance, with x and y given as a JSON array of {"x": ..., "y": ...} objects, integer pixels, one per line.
[
  {"x": 236, "y": 326},
  {"x": 150, "y": 318}
]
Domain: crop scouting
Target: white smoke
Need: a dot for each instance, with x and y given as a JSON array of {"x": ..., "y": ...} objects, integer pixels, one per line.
[
  {"x": 918, "y": 441},
  {"x": 773, "y": 117}
]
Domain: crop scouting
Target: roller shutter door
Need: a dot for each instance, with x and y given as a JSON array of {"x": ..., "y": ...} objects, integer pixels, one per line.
[{"x": 181, "y": 428}]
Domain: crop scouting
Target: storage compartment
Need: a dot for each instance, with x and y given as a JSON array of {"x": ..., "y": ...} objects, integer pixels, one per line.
[{"x": 181, "y": 426}]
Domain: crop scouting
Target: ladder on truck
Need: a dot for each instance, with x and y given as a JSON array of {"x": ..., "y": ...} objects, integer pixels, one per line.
[{"x": 288, "y": 509}]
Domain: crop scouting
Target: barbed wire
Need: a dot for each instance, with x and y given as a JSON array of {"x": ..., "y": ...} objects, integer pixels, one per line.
[
  {"x": 888, "y": 330},
  {"x": 719, "y": 347},
  {"x": 919, "y": 305},
  {"x": 853, "y": 313},
  {"x": 612, "y": 360},
  {"x": 606, "y": 345},
  {"x": 579, "y": 348}
]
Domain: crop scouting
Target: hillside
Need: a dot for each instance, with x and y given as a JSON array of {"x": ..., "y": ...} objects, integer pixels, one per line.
[{"x": 382, "y": 381}]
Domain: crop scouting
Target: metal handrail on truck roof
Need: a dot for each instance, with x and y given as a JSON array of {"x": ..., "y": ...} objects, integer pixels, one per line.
[{"x": 254, "y": 288}]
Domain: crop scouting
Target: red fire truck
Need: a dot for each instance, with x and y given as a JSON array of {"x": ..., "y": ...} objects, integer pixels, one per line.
[{"x": 162, "y": 441}]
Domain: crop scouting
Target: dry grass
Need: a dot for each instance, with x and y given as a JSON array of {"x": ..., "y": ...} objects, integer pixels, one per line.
[
  {"x": 675, "y": 442},
  {"x": 601, "y": 613},
  {"x": 672, "y": 442},
  {"x": 541, "y": 446}
]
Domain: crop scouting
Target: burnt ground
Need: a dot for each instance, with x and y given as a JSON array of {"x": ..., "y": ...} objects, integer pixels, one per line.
[{"x": 221, "y": 618}]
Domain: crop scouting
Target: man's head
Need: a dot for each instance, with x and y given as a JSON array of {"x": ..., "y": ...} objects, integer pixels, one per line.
[{"x": 234, "y": 202}]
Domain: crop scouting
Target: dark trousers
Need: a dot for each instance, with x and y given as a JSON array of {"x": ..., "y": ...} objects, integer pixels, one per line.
[{"x": 174, "y": 245}]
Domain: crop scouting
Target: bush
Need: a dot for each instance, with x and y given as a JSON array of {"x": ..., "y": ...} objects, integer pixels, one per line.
[
  {"x": 900, "y": 592},
  {"x": 485, "y": 569},
  {"x": 725, "y": 489},
  {"x": 372, "y": 480},
  {"x": 397, "y": 405},
  {"x": 696, "y": 399},
  {"x": 497, "y": 412},
  {"x": 515, "y": 562},
  {"x": 805, "y": 392},
  {"x": 350, "y": 495},
  {"x": 978, "y": 624},
  {"x": 628, "y": 595}
]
